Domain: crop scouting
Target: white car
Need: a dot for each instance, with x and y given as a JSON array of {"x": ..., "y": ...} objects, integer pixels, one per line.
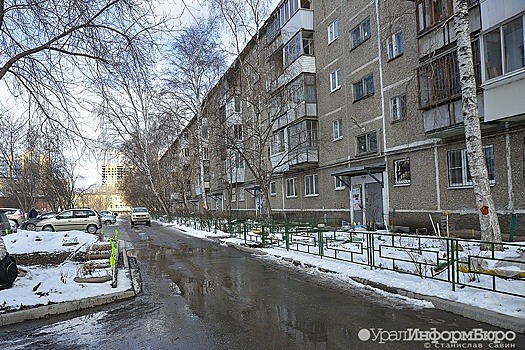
[
  {"x": 108, "y": 217},
  {"x": 140, "y": 215},
  {"x": 14, "y": 214}
]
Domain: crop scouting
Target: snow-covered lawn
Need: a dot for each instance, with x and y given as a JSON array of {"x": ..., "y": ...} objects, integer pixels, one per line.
[{"x": 43, "y": 285}]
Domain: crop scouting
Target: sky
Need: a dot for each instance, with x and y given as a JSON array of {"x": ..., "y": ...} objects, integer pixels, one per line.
[{"x": 54, "y": 288}]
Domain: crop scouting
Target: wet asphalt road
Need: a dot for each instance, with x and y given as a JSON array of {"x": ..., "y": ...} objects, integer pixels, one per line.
[{"x": 198, "y": 294}]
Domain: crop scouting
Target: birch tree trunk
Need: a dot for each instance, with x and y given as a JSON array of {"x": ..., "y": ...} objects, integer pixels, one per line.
[{"x": 488, "y": 219}]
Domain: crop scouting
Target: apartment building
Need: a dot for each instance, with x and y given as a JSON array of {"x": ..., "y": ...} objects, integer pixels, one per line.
[{"x": 354, "y": 113}]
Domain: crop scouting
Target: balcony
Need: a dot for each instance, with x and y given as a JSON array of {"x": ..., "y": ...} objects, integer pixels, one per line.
[
  {"x": 303, "y": 158},
  {"x": 302, "y": 19}
]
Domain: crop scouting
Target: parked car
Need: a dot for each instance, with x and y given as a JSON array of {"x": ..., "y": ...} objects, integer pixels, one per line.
[
  {"x": 140, "y": 215},
  {"x": 81, "y": 219},
  {"x": 30, "y": 224},
  {"x": 108, "y": 217},
  {"x": 15, "y": 214},
  {"x": 5, "y": 224}
]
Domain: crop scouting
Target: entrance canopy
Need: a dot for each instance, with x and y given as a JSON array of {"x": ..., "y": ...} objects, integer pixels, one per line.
[
  {"x": 361, "y": 170},
  {"x": 253, "y": 190}
]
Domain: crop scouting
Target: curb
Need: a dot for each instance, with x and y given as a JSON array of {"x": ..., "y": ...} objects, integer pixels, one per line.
[
  {"x": 493, "y": 318},
  {"x": 63, "y": 307}
]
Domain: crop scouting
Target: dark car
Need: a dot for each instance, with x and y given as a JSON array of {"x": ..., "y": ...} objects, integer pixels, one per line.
[
  {"x": 30, "y": 224},
  {"x": 5, "y": 225}
]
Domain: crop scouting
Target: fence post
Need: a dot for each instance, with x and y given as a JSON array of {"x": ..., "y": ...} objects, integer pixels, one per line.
[
  {"x": 453, "y": 263},
  {"x": 512, "y": 226},
  {"x": 320, "y": 239},
  {"x": 287, "y": 237}
]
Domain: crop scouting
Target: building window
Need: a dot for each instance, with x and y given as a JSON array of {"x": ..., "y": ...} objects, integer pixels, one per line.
[
  {"x": 367, "y": 143},
  {"x": 439, "y": 80},
  {"x": 338, "y": 184},
  {"x": 237, "y": 132},
  {"x": 302, "y": 43},
  {"x": 241, "y": 195},
  {"x": 398, "y": 108},
  {"x": 273, "y": 188},
  {"x": 237, "y": 103},
  {"x": 431, "y": 12},
  {"x": 337, "y": 126},
  {"x": 205, "y": 153},
  {"x": 503, "y": 49},
  {"x": 335, "y": 82},
  {"x": 239, "y": 161},
  {"x": 458, "y": 169},
  {"x": 364, "y": 88},
  {"x": 186, "y": 135},
  {"x": 234, "y": 195},
  {"x": 291, "y": 189},
  {"x": 402, "y": 171},
  {"x": 333, "y": 31},
  {"x": 396, "y": 45},
  {"x": 311, "y": 187},
  {"x": 360, "y": 33},
  {"x": 185, "y": 152},
  {"x": 277, "y": 145},
  {"x": 302, "y": 135}
]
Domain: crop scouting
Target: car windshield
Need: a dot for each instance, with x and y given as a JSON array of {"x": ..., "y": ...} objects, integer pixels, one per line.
[{"x": 140, "y": 210}]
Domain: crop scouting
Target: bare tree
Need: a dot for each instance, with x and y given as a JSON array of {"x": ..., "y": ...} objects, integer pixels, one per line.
[
  {"x": 488, "y": 218},
  {"x": 136, "y": 128},
  {"x": 47, "y": 45},
  {"x": 195, "y": 63}
]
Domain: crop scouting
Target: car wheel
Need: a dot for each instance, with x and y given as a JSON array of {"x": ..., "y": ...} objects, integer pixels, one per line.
[
  {"x": 48, "y": 228},
  {"x": 92, "y": 229},
  {"x": 107, "y": 222},
  {"x": 132, "y": 224},
  {"x": 31, "y": 227}
]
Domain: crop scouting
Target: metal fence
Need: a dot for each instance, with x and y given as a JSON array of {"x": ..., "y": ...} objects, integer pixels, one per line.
[{"x": 457, "y": 261}]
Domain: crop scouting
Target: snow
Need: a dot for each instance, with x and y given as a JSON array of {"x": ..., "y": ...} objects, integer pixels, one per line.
[
  {"x": 44, "y": 285},
  {"x": 485, "y": 299}
]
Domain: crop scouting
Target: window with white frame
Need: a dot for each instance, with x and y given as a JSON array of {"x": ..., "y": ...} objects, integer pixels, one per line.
[
  {"x": 402, "y": 174},
  {"x": 504, "y": 49},
  {"x": 273, "y": 188},
  {"x": 241, "y": 195},
  {"x": 239, "y": 161},
  {"x": 396, "y": 45},
  {"x": 234, "y": 195},
  {"x": 338, "y": 184},
  {"x": 277, "y": 145},
  {"x": 360, "y": 33},
  {"x": 364, "y": 87},
  {"x": 291, "y": 188},
  {"x": 333, "y": 31},
  {"x": 398, "y": 107},
  {"x": 205, "y": 153},
  {"x": 367, "y": 143},
  {"x": 311, "y": 187},
  {"x": 337, "y": 127},
  {"x": 186, "y": 135},
  {"x": 458, "y": 169},
  {"x": 335, "y": 82},
  {"x": 185, "y": 152}
]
